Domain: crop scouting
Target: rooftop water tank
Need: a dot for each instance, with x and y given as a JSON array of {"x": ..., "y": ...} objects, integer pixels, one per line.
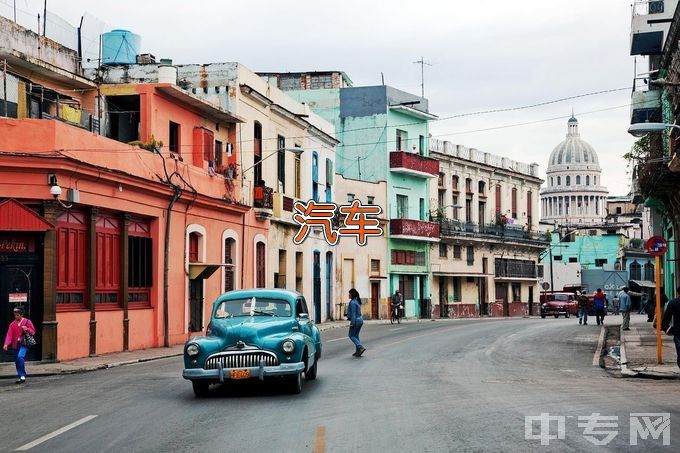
[{"x": 120, "y": 47}]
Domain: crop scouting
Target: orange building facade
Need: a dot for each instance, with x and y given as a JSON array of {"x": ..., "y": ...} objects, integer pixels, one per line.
[{"x": 112, "y": 246}]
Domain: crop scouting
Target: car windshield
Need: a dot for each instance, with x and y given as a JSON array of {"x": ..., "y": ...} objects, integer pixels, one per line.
[
  {"x": 262, "y": 307},
  {"x": 561, "y": 297}
]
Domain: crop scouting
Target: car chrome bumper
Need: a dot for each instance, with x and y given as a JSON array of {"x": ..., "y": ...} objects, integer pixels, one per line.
[{"x": 222, "y": 374}]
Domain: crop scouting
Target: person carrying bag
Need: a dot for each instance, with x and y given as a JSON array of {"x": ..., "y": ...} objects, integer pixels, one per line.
[{"x": 20, "y": 338}]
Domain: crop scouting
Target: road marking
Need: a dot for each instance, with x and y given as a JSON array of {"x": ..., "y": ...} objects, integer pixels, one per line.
[
  {"x": 398, "y": 328},
  {"x": 598, "y": 351},
  {"x": 336, "y": 339},
  {"x": 53, "y": 434},
  {"x": 320, "y": 439}
]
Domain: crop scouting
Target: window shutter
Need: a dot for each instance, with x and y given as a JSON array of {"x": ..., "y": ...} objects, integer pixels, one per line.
[{"x": 329, "y": 172}]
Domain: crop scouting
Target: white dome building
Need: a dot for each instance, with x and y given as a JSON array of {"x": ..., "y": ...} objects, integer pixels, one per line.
[{"x": 573, "y": 194}]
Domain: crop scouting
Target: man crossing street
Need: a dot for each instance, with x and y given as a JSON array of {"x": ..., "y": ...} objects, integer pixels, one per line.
[{"x": 625, "y": 305}]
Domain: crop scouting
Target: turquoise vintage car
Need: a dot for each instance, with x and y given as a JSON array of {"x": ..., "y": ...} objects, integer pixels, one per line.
[{"x": 255, "y": 334}]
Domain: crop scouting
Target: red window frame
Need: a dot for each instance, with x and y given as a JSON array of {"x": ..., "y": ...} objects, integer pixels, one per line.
[
  {"x": 140, "y": 297},
  {"x": 193, "y": 247},
  {"x": 71, "y": 260},
  {"x": 107, "y": 270}
]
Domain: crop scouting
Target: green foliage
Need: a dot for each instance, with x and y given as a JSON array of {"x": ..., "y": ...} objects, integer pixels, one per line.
[
  {"x": 152, "y": 145},
  {"x": 639, "y": 151}
]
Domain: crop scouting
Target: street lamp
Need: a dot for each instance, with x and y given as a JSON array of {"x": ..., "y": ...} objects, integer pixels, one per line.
[{"x": 642, "y": 129}]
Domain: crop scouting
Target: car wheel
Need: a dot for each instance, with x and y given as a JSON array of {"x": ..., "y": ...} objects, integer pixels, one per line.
[
  {"x": 310, "y": 374},
  {"x": 543, "y": 315},
  {"x": 295, "y": 383},
  {"x": 566, "y": 315},
  {"x": 557, "y": 315},
  {"x": 201, "y": 388}
]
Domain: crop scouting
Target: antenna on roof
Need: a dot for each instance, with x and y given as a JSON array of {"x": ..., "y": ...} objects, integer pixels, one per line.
[
  {"x": 382, "y": 77},
  {"x": 422, "y": 64}
]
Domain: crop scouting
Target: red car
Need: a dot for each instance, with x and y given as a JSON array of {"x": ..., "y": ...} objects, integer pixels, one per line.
[{"x": 557, "y": 304}]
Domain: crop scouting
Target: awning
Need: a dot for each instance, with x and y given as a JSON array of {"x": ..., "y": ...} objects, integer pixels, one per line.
[
  {"x": 14, "y": 216},
  {"x": 458, "y": 274},
  {"x": 644, "y": 283},
  {"x": 201, "y": 271}
]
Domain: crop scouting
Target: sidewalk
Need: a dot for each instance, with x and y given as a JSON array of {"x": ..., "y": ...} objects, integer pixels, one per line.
[{"x": 638, "y": 352}]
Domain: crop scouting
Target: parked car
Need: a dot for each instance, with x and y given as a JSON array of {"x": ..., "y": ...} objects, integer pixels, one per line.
[
  {"x": 255, "y": 334},
  {"x": 558, "y": 303}
]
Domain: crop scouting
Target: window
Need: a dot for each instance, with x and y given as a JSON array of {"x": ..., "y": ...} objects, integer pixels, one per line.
[
  {"x": 514, "y": 202},
  {"x": 455, "y": 210},
  {"x": 260, "y": 278},
  {"x": 457, "y": 296},
  {"x": 635, "y": 271},
  {"x": 350, "y": 197},
  {"x": 499, "y": 209},
  {"x": 298, "y": 174},
  {"x": 516, "y": 292},
  {"x": 470, "y": 255},
  {"x": 281, "y": 158},
  {"x": 587, "y": 180},
  {"x": 552, "y": 183},
  {"x": 402, "y": 137},
  {"x": 529, "y": 208},
  {"x": 573, "y": 259},
  {"x": 456, "y": 251},
  {"x": 559, "y": 180},
  {"x": 329, "y": 179},
  {"x": 174, "y": 137},
  {"x": 370, "y": 200},
  {"x": 618, "y": 209},
  {"x": 402, "y": 207},
  {"x": 421, "y": 143},
  {"x": 568, "y": 180},
  {"x": 193, "y": 247},
  {"x": 140, "y": 260},
  {"x": 319, "y": 81},
  {"x": 218, "y": 153},
  {"x": 406, "y": 286},
  {"x": 107, "y": 281},
  {"x": 315, "y": 176},
  {"x": 375, "y": 267},
  {"x": 649, "y": 272},
  {"x": 578, "y": 180},
  {"x": 481, "y": 213},
  {"x": 71, "y": 258},
  {"x": 594, "y": 180},
  {"x": 206, "y": 139},
  {"x": 441, "y": 203},
  {"x": 599, "y": 262},
  {"x": 468, "y": 185},
  {"x": 229, "y": 249},
  {"x": 481, "y": 187},
  {"x": 422, "y": 209},
  {"x": 468, "y": 210},
  {"x": 454, "y": 183},
  {"x": 557, "y": 257},
  {"x": 408, "y": 258},
  {"x": 257, "y": 152},
  {"x": 443, "y": 249},
  {"x": 440, "y": 180},
  {"x": 539, "y": 271},
  {"x": 515, "y": 268}
]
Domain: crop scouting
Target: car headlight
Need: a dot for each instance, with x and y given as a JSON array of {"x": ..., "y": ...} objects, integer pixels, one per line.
[
  {"x": 193, "y": 350},
  {"x": 288, "y": 346}
]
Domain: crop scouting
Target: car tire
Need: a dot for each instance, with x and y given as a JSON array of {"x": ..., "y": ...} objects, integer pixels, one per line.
[
  {"x": 295, "y": 383},
  {"x": 566, "y": 315},
  {"x": 557, "y": 315},
  {"x": 543, "y": 315},
  {"x": 201, "y": 388},
  {"x": 310, "y": 374}
]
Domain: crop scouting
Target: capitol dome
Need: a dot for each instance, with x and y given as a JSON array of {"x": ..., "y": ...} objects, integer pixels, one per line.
[
  {"x": 573, "y": 193},
  {"x": 573, "y": 149}
]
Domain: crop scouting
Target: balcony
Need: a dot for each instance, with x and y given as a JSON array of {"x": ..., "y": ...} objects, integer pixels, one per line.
[
  {"x": 414, "y": 164},
  {"x": 456, "y": 228},
  {"x": 645, "y": 106},
  {"x": 263, "y": 202},
  {"x": 649, "y": 26},
  {"x": 414, "y": 229}
]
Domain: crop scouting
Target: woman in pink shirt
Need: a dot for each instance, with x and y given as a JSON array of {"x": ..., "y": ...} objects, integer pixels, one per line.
[{"x": 13, "y": 339}]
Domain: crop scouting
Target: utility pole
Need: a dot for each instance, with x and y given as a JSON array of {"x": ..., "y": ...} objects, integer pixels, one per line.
[
  {"x": 45, "y": 19},
  {"x": 422, "y": 64},
  {"x": 4, "y": 84}
]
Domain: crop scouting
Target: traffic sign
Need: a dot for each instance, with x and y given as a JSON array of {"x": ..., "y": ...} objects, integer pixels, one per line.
[
  {"x": 545, "y": 286},
  {"x": 657, "y": 246}
]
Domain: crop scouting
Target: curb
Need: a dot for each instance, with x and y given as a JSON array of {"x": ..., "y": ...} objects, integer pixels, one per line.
[
  {"x": 631, "y": 373},
  {"x": 625, "y": 372}
]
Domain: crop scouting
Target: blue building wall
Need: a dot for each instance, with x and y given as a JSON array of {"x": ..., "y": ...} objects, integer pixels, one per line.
[{"x": 586, "y": 249}]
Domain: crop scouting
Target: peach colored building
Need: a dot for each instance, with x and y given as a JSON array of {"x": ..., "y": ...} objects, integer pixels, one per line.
[{"x": 139, "y": 240}]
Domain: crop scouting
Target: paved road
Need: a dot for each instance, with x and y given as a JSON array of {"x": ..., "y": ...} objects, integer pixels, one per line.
[{"x": 429, "y": 386}]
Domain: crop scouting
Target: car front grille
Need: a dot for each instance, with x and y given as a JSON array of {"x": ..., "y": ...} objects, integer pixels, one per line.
[{"x": 246, "y": 359}]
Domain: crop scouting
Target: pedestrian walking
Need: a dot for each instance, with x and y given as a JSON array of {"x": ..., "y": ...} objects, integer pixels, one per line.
[
  {"x": 599, "y": 304},
  {"x": 16, "y": 339},
  {"x": 355, "y": 321},
  {"x": 670, "y": 322},
  {"x": 625, "y": 304},
  {"x": 582, "y": 308},
  {"x": 396, "y": 302},
  {"x": 615, "y": 303}
]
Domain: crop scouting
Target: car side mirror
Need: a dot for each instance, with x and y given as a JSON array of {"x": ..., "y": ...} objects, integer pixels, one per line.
[{"x": 303, "y": 316}]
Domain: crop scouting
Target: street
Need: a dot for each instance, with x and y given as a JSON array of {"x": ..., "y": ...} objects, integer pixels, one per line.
[{"x": 421, "y": 386}]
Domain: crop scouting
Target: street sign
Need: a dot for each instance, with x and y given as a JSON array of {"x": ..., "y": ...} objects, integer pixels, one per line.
[
  {"x": 545, "y": 286},
  {"x": 657, "y": 246}
]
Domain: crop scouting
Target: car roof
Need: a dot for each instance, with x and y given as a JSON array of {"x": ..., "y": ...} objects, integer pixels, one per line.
[{"x": 285, "y": 294}]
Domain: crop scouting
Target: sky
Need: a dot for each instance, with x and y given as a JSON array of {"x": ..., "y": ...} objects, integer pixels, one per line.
[{"x": 484, "y": 55}]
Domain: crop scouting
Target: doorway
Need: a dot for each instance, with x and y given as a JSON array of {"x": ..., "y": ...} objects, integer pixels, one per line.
[
  {"x": 329, "y": 274},
  {"x": 375, "y": 300},
  {"x": 19, "y": 288},
  {"x": 195, "y": 305},
  {"x": 502, "y": 295},
  {"x": 317, "y": 287}
]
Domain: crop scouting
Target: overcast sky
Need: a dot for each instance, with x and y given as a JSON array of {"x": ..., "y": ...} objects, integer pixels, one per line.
[{"x": 485, "y": 54}]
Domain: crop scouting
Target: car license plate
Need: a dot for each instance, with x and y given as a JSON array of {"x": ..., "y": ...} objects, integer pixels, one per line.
[{"x": 239, "y": 374}]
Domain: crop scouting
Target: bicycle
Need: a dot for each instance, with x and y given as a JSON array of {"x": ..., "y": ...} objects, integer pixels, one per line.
[{"x": 395, "y": 314}]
